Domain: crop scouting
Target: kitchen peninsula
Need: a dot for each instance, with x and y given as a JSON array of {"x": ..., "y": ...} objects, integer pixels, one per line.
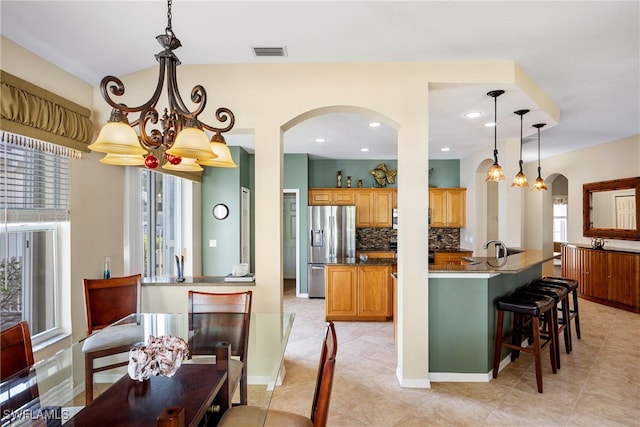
[{"x": 462, "y": 312}]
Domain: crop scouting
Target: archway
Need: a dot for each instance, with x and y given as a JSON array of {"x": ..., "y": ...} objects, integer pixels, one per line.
[{"x": 362, "y": 116}]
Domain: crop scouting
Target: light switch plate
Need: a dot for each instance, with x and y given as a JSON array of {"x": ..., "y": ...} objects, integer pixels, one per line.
[{"x": 213, "y": 243}]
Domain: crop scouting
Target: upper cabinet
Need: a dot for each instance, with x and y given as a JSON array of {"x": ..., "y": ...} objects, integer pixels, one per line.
[
  {"x": 448, "y": 207},
  {"x": 373, "y": 205},
  {"x": 332, "y": 196}
]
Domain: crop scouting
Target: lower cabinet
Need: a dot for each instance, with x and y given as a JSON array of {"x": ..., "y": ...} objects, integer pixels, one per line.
[
  {"x": 609, "y": 277},
  {"x": 359, "y": 292},
  {"x": 450, "y": 257}
]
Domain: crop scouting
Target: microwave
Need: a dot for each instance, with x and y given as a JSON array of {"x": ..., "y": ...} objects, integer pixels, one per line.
[{"x": 394, "y": 218}]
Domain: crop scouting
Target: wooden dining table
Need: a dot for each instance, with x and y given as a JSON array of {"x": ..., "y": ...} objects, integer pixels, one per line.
[{"x": 199, "y": 388}]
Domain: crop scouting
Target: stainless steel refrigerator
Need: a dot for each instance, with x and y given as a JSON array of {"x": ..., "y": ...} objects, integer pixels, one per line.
[{"x": 332, "y": 237}]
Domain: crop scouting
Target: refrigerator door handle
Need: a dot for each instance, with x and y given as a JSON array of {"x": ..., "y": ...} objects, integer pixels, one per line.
[{"x": 332, "y": 243}]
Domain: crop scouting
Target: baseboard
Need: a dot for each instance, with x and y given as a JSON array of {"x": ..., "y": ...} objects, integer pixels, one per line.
[
  {"x": 412, "y": 383},
  {"x": 461, "y": 377}
]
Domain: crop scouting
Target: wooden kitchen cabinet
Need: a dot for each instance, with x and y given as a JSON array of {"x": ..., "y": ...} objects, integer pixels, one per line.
[
  {"x": 604, "y": 276},
  {"x": 450, "y": 257},
  {"x": 373, "y": 207},
  {"x": 359, "y": 292},
  {"x": 448, "y": 207},
  {"x": 331, "y": 196}
]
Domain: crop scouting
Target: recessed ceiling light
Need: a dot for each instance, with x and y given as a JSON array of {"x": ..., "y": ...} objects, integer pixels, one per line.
[
  {"x": 490, "y": 124},
  {"x": 445, "y": 149},
  {"x": 374, "y": 124},
  {"x": 321, "y": 139},
  {"x": 472, "y": 114},
  {"x": 364, "y": 150}
]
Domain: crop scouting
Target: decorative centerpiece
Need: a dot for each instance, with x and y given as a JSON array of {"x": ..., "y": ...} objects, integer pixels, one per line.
[{"x": 161, "y": 356}]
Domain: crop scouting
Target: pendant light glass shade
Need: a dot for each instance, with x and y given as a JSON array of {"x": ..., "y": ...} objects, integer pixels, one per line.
[
  {"x": 122, "y": 159},
  {"x": 495, "y": 174},
  {"x": 521, "y": 179},
  {"x": 191, "y": 142},
  {"x": 117, "y": 137},
  {"x": 223, "y": 157},
  {"x": 539, "y": 184},
  {"x": 186, "y": 165}
]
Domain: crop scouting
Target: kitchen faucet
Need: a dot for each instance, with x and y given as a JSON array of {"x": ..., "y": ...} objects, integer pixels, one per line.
[{"x": 501, "y": 248}]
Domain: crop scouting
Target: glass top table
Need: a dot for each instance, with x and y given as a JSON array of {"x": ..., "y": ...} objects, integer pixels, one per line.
[{"x": 60, "y": 378}]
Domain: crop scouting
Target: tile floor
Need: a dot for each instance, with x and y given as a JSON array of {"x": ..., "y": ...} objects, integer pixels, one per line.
[{"x": 598, "y": 385}]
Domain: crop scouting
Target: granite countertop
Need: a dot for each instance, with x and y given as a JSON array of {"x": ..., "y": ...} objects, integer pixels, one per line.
[
  {"x": 197, "y": 280},
  {"x": 450, "y": 249},
  {"x": 606, "y": 248},
  {"x": 356, "y": 261},
  {"x": 512, "y": 264}
]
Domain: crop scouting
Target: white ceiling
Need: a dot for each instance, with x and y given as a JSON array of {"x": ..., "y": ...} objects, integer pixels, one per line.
[{"x": 584, "y": 54}]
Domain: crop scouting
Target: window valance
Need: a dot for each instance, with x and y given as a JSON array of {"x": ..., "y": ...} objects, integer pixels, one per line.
[{"x": 32, "y": 111}]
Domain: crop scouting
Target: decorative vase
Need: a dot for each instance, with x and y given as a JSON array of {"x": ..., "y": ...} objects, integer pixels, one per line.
[{"x": 339, "y": 179}]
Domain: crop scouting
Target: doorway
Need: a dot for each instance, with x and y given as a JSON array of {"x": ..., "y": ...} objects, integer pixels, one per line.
[{"x": 290, "y": 236}]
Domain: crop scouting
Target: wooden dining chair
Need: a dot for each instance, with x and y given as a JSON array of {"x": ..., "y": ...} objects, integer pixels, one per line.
[
  {"x": 107, "y": 301},
  {"x": 20, "y": 388},
  {"x": 248, "y": 416},
  {"x": 222, "y": 317},
  {"x": 16, "y": 352}
]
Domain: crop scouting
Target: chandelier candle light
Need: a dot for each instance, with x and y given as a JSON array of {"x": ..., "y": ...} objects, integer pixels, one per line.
[
  {"x": 539, "y": 184},
  {"x": 521, "y": 179},
  {"x": 495, "y": 171},
  {"x": 181, "y": 143}
]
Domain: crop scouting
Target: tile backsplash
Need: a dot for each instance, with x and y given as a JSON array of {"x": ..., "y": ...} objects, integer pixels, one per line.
[
  {"x": 377, "y": 239},
  {"x": 374, "y": 239},
  {"x": 444, "y": 238}
]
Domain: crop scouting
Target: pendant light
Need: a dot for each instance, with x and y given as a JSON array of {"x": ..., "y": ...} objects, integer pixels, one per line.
[
  {"x": 521, "y": 179},
  {"x": 539, "y": 184},
  {"x": 494, "y": 173}
]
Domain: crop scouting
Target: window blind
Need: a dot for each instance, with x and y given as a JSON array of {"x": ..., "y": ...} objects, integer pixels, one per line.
[{"x": 34, "y": 181}]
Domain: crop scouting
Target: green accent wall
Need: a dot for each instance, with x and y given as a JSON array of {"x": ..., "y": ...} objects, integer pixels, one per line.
[
  {"x": 222, "y": 185},
  {"x": 444, "y": 173},
  {"x": 462, "y": 320},
  {"x": 323, "y": 172}
]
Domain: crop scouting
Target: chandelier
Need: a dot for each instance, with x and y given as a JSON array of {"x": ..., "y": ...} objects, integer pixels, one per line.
[
  {"x": 177, "y": 141},
  {"x": 495, "y": 174}
]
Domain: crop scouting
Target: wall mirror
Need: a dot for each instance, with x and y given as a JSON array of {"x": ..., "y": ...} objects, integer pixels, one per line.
[{"x": 609, "y": 209}]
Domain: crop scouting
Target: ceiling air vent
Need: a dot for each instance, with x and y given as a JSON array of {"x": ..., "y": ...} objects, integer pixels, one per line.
[{"x": 270, "y": 51}]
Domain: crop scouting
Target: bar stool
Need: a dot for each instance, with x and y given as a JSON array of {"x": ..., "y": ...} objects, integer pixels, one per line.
[
  {"x": 572, "y": 285},
  {"x": 559, "y": 295},
  {"x": 535, "y": 307}
]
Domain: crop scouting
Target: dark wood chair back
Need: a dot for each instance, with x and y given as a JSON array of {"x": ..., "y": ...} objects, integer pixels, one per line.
[
  {"x": 324, "y": 381},
  {"x": 106, "y": 302},
  {"x": 221, "y": 317},
  {"x": 109, "y": 300},
  {"x": 20, "y": 388},
  {"x": 16, "y": 353}
]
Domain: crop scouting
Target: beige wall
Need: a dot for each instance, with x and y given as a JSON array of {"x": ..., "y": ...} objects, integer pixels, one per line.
[{"x": 265, "y": 98}]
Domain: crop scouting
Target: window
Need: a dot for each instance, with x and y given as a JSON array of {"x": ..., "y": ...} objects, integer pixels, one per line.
[
  {"x": 559, "y": 219},
  {"x": 161, "y": 219},
  {"x": 35, "y": 196}
]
